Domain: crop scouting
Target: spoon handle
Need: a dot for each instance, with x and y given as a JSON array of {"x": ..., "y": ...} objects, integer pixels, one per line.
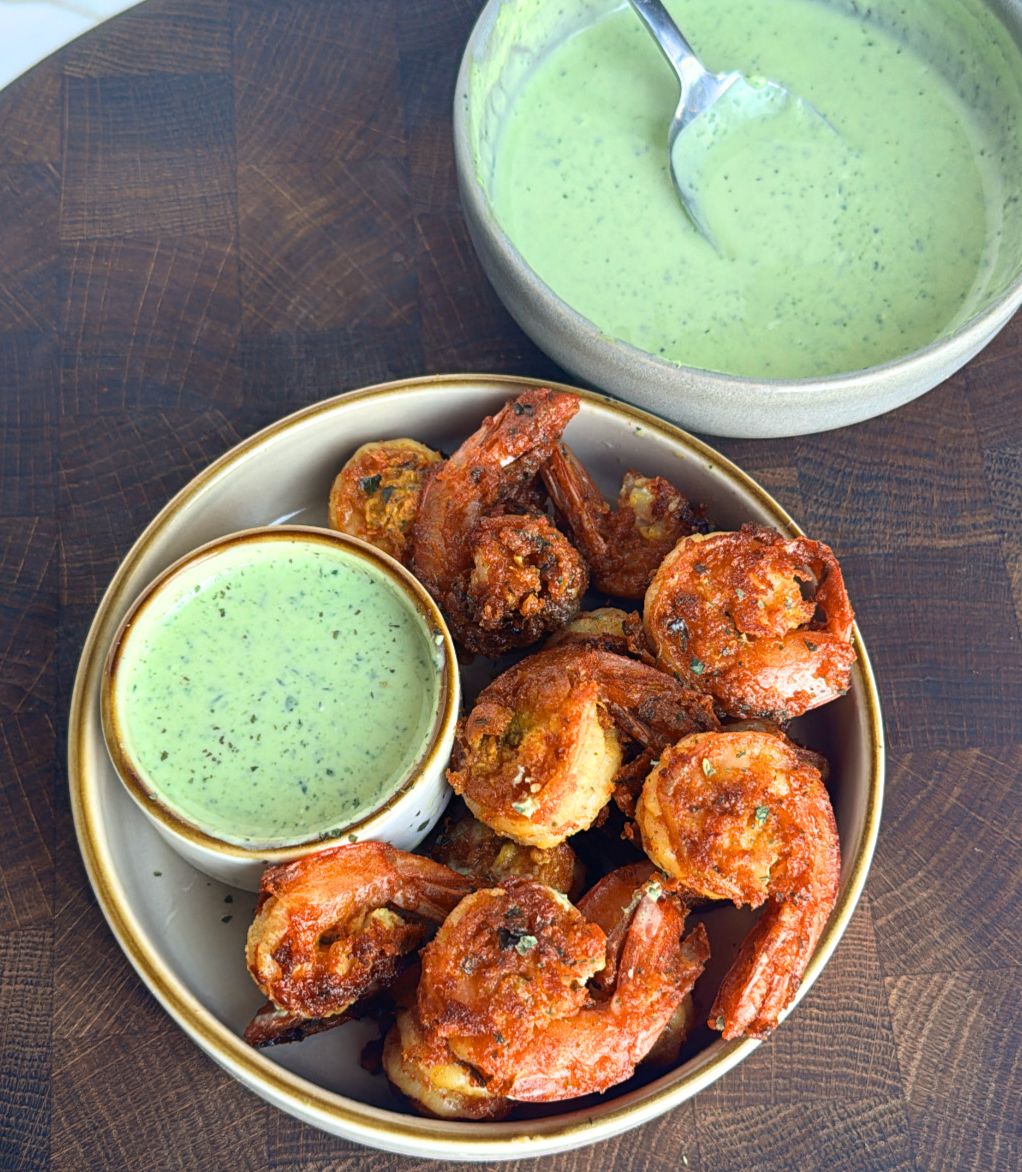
[{"x": 679, "y": 53}]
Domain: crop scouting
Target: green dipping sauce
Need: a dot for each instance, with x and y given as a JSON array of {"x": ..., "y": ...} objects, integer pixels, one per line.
[
  {"x": 839, "y": 251},
  {"x": 282, "y": 690}
]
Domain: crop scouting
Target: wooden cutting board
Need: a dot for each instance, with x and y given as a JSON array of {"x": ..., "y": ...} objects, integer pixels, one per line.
[{"x": 213, "y": 213}]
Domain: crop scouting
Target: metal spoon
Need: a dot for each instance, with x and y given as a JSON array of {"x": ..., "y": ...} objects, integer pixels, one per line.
[{"x": 702, "y": 117}]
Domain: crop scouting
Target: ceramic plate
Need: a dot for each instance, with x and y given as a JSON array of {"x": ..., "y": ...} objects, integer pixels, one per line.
[{"x": 185, "y": 933}]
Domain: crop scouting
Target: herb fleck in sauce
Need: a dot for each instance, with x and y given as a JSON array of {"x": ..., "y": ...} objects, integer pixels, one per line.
[{"x": 284, "y": 694}]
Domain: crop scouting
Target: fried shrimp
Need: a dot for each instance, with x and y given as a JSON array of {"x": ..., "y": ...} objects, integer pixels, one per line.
[
  {"x": 622, "y": 545},
  {"x": 609, "y": 904},
  {"x": 437, "y": 1083},
  {"x": 503, "y": 991},
  {"x": 526, "y": 579},
  {"x": 744, "y": 816},
  {"x": 375, "y": 496},
  {"x": 606, "y": 628},
  {"x": 537, "y": 756},
  {"x": 506, "y": 956},
  {"x": 502, "y": 581},
  {"x": 333, "y": 927},
  {"x": 472, "y": 849},
  {"x": 759, "y": 621}
]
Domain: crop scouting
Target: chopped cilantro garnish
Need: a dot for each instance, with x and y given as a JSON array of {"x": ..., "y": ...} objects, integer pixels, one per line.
[{"x": 521, "y": 942}]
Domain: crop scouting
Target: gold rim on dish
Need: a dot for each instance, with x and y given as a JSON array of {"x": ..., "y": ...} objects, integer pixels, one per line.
[{"x": 378, "y": 1127}]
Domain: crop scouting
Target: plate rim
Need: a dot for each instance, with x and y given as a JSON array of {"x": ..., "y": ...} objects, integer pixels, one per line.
[{"x": 375, "y": 1126}]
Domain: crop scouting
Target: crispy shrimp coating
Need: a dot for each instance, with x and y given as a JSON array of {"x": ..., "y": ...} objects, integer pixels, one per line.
[
  {"x": 502, "y": 580},
  {"x": 607, "y": 628},
  {"x": 623, "y": 545},
  {"x": 474, "y": 850},
  {"x": 759, "y": 621},
  {"x": 503, "y": 991},
  {"x": 436, "y": 1082},
  {"x": 526, "y": 579},
  {"x": 506, "y": 956},
  {"x": 536, "y": 758},
  {"x": 745, "y": 816},
  {"x": 375, "y": 496},
  {"x": 333, "y": 927}
]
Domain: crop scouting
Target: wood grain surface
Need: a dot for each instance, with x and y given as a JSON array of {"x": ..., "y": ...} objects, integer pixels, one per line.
[{"x": 212, "y": 213}]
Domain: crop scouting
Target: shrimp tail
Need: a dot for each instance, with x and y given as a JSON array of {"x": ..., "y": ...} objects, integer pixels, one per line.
[
  {"x": 526, "y": 429},
  {"x": 653, "y": 961},
  {"x": 272, "y": 1026},
  {"x": 577, "y": 498},
  {"x": 767, "y": 972},
  {"x": 653, "y": 708},
  {"x": 431, "y": 891},
  {"x": 831, "y": 594},
  {"x": 761, "y": 982}
]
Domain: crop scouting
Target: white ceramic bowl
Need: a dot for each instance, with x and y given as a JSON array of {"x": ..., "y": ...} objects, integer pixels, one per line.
[
  {"x": 185, "y": 934},
  {"x": 506, "y": 43},
  {"x": 417, "y": 796}
]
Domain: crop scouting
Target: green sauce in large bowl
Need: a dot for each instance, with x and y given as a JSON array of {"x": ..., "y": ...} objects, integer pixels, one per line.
[{"x": 840, "y": 251}]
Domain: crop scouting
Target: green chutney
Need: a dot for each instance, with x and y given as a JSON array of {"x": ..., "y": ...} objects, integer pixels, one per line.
[
  {"x": 286, "y": 692},
  {"x": 838, "y": 251}
]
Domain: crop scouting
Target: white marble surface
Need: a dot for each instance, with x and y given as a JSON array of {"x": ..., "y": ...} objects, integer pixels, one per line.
[{"x": 32, "y": 29}]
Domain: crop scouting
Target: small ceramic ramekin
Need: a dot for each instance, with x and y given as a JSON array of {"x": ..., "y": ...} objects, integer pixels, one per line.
[{"x": 413, "y": 800}]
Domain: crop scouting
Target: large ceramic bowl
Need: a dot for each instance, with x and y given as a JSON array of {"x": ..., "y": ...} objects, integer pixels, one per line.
[
  {"x": 506, "y": 43},
  {"x": 185, "y": 933}
]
